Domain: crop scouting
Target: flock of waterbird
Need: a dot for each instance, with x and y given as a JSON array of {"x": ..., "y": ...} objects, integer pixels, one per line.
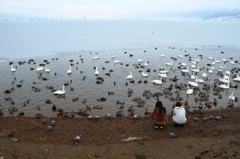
[{"x": 190, "y": 69}]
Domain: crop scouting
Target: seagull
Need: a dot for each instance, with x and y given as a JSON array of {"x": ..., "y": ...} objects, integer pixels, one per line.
[
  {"x": 77, "y": 138},
  {"x": 60, "y": 91}
]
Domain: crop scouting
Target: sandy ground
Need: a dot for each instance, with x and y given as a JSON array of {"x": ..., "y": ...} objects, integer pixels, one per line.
[{"x": 122, "y": 137}]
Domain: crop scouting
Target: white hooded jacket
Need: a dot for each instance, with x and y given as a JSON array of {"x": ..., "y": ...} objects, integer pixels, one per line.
[{"x": 179, "y": 115}]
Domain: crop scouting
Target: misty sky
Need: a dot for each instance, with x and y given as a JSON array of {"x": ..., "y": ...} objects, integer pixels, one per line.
[{"x": 108, "y": 9}]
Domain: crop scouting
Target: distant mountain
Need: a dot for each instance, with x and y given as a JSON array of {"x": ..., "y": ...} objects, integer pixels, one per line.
[
  {"x": 218, "y": 15},
  {"x": 208, "y": 15}
]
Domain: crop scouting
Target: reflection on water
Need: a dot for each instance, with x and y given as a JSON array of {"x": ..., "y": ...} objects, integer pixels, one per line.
[{"x": 83, "y": 81}]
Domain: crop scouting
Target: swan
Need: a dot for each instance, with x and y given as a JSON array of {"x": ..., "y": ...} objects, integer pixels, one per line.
[
  {"x": 224, "y": 60},
  {"x": 113, "y": 56},
  {"x": 210, "y": 57},
  {"x": 237, "y": 78},
  {"x": 162, "y": 55},
  {"x": 163, "y": 75},
  {"x": 189, "y": 91},
  {"x": 183, "y": 64},
  {"x": 195, "y": 84},
  {"x": 139, "y": 60},
  {"x": 193, "y": 66},
  {"x": 95, "y": 57},
  {"x": 146, "y": 63},
  {"x": 231, "y": 97},
  {"x": 70, "y": 70},
  {"x": 169, "y": 63},
  {"x": 225, "y": 80},
  {"x": 200, "y": 80},
  {"x": 60, "y": 91},
  {"x": 47, "y": 69},
  {"x": 180, "y": 56},
  {"x": 195, "y": 70},
  {"x": 204, "y": 74},
  {"x": 224, "y": 86},
  {"x": 217, "y": 61},
  {"x": 226, "y": 76},
  {"x": 196, "y": 60},
  {"x": 185, "y": 70},
  {"x": 157, "y": 81},
  {"x": 130, "y": 76},
  {"x": 193, "y": 76},
  {"x": 39, "y": 68},
  {"x": 162, "y": 70},
  {"x": 12, "y": 69},
  {"x": 116, "y": 61},
  {"x": 221, "y": 68},
  {"x": 228, "y": 72},
  {"x": 144, "y": 74},
  {"x": 211, "y": 70},
  {"x": 96, "y": 71},
  {"x": 232, "y": 62}
]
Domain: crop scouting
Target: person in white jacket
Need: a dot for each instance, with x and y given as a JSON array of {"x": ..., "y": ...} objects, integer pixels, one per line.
[{"x": 179, "y": 114}]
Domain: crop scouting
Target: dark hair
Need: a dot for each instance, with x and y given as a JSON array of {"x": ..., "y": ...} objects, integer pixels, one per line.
[
  {"x": 179, "y": 104},
  {"x": 159, "y": 105}
]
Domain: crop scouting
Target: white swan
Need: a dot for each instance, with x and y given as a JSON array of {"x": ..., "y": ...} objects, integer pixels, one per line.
[
  {"x": 204, "y": 74},
  {"x": 113, "y": 56},
  {"x": 46, "y": 69},
  {"x": 200, "y": 80},
  {"x": 224, "y": 86},
  {"x": 70, "y": 70},
  {"x": 95, "y": 57},
  {"x": 180, "y": 56},
  {"x": 130, "y": 76},
  {"x": 60, "y": 91},
  {"x": 12, "y": 69},
  {"x": 237, "y": 78},
  {"x": 96, "y": 71},
  {"x": 157, "y": 81},
  {"x": 39, "y": 68},
  {"x": 224, "y": 60},
  {"x": 163, "y": 75},
  {"x": 189, "y": 91},
  {"x": 116, "y": 61},
  {"x": 144, "y": 74},
  {"x": 225, "y": 80},
  {"x": 231, "y": 97},
  {"x": 193, "y": 76},
  {"x": 183, "y": 64},
  {"x": 162, "y": 55},
  {"x": 139, "y": 60},
  {"x": 162, "y": 70},
  {"x": 210, "y": 57},
  {"x": 169, "y": 63},
  {"x": 211, "y": 70},
  {"x": 146, "y": 63},
  {"x": 195, "y": 84},
  {"x": 196, "y": 70},
  {"x": 185, "y": 70},
  {"x": 228, "y": 72}
]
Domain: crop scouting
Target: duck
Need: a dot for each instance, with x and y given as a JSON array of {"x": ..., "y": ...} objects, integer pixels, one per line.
[
  {"x": 47, "y": 69},
  {"x": 157, "y": 81},
  {"x": 60, "y": 91},
  {"x": 69, "y": 71},
  {"x": 130, "y": 76}
]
